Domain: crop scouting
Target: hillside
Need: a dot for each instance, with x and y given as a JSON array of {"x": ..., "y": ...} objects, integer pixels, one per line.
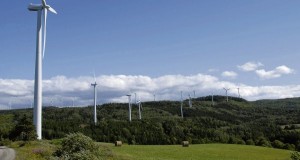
[{"x": 237, "y": 122}]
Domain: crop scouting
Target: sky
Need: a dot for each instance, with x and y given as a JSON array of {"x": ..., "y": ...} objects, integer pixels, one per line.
[{"x": 151, "y": 47}]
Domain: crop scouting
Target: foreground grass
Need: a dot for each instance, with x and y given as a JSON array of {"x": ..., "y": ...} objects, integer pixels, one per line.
[
  {"x": 42, "y": 150},
  {"x": 33, "y": 150},
  {"x": 199, "y": 152}
]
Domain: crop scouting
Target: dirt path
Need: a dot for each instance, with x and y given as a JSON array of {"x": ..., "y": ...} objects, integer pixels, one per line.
[{"x": 7, "y": 153}]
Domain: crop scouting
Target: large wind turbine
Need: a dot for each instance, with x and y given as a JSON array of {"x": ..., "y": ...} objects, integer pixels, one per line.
[
  {"x": 129, "y": 106},
  {"x": 95, "y": 99},
  {"x": 40, "y": 51}
]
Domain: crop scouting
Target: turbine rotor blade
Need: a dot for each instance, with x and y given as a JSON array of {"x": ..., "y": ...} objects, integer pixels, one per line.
[
  {"x": 45, "y": 31},
  {"x": 51, "y": 10},
  {"x": 94, "y": 77},
  {"x": 44, "y": 3}
]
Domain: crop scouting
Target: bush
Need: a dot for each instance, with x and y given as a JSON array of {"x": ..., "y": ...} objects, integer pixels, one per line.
[
  {"x": 295, "y": 156},
  {"x": 250, "y": 142},
  {"x": 278, "y": 144},
  {"x": 77, "y": 146}
]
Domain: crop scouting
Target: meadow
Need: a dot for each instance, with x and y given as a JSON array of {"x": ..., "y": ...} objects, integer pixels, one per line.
[
  {"x": 42, "y": 150},
  {"x": 198, "y": 152}
]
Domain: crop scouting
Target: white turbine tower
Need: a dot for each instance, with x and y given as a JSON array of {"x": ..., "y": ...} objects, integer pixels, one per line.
[
  {"x": 154, "y": 97},
  {"x": 139, "y": 102},
  {"x": 40, "y": 51},
  {"x": 226, "y": 90},
  {"x": 95, "y": 99},
  {"x": 190, "y": 101},
  {"x": 239, "y": 92},
  {"x": 212, "y": 99},
  {"x": 181, "y": 105},
  {"x": 129, "y": 106}
]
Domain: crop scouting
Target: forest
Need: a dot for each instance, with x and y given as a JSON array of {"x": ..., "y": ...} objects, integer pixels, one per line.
[{"x": 269, "y": 123}]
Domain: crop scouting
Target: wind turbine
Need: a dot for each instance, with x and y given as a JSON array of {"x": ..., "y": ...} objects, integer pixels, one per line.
[
  {"x": 212, "y": 99},
  {"x": 95, "y": 99},
  {"x": 129, "y": 106},
  {"x": 190, "y": 101},
  {"x": 181, "y": 105},
  {"x": 154, "y": 97},
  {"x": 40, "y": 52},
  {"x": 194, "y": 94},
  {"x": 139, "y": 102},
  {"x": 239, "y": 92},
  {"x": 226, "y": 90}
]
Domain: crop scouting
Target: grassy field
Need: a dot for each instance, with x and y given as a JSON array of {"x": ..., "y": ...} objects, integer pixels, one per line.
[
  {"x": 198, "y": 152},
  {"x": 39, "y": 150}
]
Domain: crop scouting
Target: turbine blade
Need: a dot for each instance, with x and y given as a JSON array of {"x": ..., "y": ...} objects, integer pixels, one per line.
[
  {"x": 94, "y": 77},
  {"x": 52, "y": 10},
  {"x": 45, "y": 31},
  {"x": 44, "y": 3}
]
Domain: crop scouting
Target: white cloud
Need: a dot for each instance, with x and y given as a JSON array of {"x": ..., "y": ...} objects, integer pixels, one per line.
[
  {"x": 276, "y": 73},
  {"x": 229, "y": 74},
  {"x": 250, "y": 66},
  {"x": 61, "y": 90}
]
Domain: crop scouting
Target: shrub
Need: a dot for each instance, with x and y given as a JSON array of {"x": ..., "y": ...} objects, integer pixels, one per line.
[
  {"x": 250, "y": 142},
  {"x": 77, "y": 146},
  {"x": 295, "y": 156},
  {"x": 278, "y": 144}
]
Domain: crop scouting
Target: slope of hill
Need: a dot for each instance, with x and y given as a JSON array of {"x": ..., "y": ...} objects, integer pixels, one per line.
[{"x": 237, "y": 121}]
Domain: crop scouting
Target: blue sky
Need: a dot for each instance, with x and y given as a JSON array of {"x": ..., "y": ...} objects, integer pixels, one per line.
[{"x": 155, "y": 39}]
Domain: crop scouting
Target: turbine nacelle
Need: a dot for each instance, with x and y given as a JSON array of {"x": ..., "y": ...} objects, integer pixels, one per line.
[{"x": 37, "y": 7}]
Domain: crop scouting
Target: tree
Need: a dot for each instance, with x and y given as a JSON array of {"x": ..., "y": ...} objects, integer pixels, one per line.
[{"x": 24, "y": 130}]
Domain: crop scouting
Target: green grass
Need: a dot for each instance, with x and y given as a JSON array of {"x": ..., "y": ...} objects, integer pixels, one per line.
[
  {"x": 33, "y": 150},
  {"x": 198, "y": 152},
  {"x": 39, "y": 150}
]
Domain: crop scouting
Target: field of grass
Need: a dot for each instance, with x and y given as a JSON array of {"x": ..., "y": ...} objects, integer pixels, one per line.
[
  {"x": 34, "y": 150},
  {"x": 198, "y": 152},
  {"x": 41, "y": 150}
]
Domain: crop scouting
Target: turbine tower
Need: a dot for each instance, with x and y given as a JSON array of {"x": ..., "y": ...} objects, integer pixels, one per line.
[
  {"x": 190, "y": 101},
  {"x": 154, "y": 97},
  {"x": 212, "y": 99},
  {"x": 194, "y": 94},
  {"x": 40, "y": 51},
  {"x": 139, "y": 102},
  {"x": 226, "y": 90},
  {"x": 95, "y": 99},
  {"x": 239, "y": 92},
  {"x": 181, "y": 105},
  {"x": 129, "y": 106}
]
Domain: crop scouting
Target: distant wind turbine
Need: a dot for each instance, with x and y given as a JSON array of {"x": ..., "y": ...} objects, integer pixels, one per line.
[
  {"x": 181, "y": 105},
  {"x": 139, "y": 102},
  {"x": 154, "y": 97},
  {"x": 95, "y": 99},
  {"x": 129, "y": 106},
  {"x": 226, "y": 90},
  {"x": 212, "y": 99},
  {"x": 40, "y": 52},
  {"x": 239, "y": 92},
  {"x": 190, "y": 101},
  {"x": 194, "y": 94}
]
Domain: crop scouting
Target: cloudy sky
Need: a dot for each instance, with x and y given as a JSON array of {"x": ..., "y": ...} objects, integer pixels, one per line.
[{"x": 151, "y": 47}]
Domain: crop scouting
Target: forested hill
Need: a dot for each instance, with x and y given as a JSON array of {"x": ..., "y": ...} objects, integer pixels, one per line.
[
  {"x": 287, "y": 102},
  {"x": 264, "y": 123}
]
